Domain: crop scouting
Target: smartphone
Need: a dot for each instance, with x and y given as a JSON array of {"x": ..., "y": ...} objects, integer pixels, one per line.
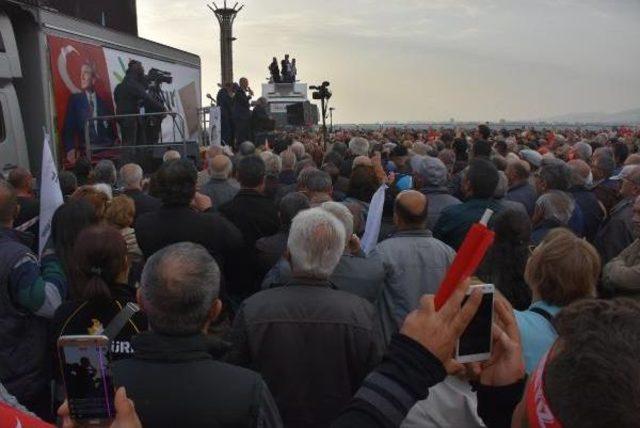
[
  {"x": 475, "y": 342},
  {"x": 87, "y": 378}
]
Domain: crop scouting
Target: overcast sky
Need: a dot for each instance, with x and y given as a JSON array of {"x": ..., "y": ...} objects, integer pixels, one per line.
[{"x": 412, "y": 60}]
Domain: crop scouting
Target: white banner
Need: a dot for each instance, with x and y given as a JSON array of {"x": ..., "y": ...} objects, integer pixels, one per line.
[
  {"x": 50, "y": 193},
  {"x": 182, "y": 95},
  {"x": 374, "y": 220},
  {"x": 215, "y": 133}
]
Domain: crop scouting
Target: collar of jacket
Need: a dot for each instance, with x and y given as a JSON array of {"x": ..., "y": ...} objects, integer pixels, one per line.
[
  {"x": 310, "y": 282},
  {"x": 434, "y": 190},
  {"x": 518, "y": 185},
  {"x": 413, "y": 232},
  {"x": 250, "y": 192},
  {"x": 621, "y": 205},
  {"x": 152, "y": 346}
]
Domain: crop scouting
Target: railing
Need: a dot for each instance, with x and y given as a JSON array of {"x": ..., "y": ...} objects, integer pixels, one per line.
[{"x": 178, "y": 123}]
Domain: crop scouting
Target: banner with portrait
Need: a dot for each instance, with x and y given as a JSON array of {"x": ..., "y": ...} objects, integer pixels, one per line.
[{"x": 84, "y": 77}]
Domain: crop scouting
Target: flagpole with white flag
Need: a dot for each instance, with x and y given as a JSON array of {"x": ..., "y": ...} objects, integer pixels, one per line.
[
  {"x": 50, "y": 193},
  {"x": 374, "y": 221}
]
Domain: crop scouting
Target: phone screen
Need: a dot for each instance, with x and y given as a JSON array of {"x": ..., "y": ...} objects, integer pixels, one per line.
[
  {"x": 476, "y": 339},
  {"x": 88, "y": 381}
]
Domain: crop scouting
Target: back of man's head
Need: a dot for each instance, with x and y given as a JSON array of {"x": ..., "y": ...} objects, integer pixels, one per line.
[
  {"x": 429, "y": 171},
  {"x": 517, "y": 171},
  {"x": 175, "y": 182},
  {"x": 592, "y": 378},
  {"x": 555, "y": 206},
  {"x": 290, "y": 205},
  {"x": 343, "y": 214},
  {"x": 251, "y": 172},
  {"x": 104, "y": 172},
  {"x": 68, "y": 182},
  {"x": 579, "y": 172},
  {"x": 246, "y": 148},
  {"x": 603, "y": 164},
  {"x": 482, "y": 178},
  {"x": 481, "y": 148},
  {"x": 484, "y": 131},
  {"x": 288, "y": 160},
  {"x": 410, "y": 210},
  {"x": 170, "y": 155},
  {"x": 21, "y": 179},
  {"x": 8, "y": 203},
  {"x": 317, "y": 181},
  {"x": 131, "y": 176},
  {"x": 220, "y": 167},
  {"x": 359, "y": 146},
  {"x": 179, "y": 285},
  {"x": 316, "y": 243},
  {"x": 555, "y": 176}
]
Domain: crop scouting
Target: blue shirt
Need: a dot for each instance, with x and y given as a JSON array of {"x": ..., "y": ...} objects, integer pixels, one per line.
[{"x": 536, "y": 332}]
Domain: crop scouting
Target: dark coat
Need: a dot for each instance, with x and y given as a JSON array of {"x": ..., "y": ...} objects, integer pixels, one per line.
[
  {"x": 312, "y": 344},
  {"x": 174, "y": 381},
  {"x": 101, "y": 133},
  {"x": 169, "y": 225},
  {"x": 256, "y": 216},
  {"x": 616, "y": 233},
  {"x": 524, "y": 193},
  {"x": 593, "y": 211},
  {"x": 144, "y": 203}
]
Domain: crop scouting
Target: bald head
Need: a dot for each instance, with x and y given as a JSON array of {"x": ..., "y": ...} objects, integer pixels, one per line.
[
  {"x": 8, "y": 204},
  {"x": 410, "y": 210},
  {"x": 220, "y": 167},
  {"x": 131, "y": 176}
]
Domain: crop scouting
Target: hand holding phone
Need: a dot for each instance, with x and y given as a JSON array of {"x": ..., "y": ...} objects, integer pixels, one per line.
[
  {"x": 475, "y": 342},
  {"x": 87, "y": 378},
  {"x": 438, "y": 330}
]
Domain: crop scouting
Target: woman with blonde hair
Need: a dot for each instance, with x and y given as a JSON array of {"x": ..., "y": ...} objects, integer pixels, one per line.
[
  {"x": 121, "y": 213},
  {"x": 560, "y": 271}
]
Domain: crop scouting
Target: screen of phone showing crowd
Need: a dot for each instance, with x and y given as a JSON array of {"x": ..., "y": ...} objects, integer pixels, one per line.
[
  {"x": 476, "y": 339},
  {"x": 88, "y": 381}
]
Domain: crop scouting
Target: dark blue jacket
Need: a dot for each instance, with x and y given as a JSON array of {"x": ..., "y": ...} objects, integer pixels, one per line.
[
  {"x": 524, "y": 193},
  {"x": 100, "y": 134},
  {"x": 592, "y": 210}
]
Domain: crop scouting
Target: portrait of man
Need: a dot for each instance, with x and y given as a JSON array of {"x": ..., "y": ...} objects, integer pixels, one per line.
[{"x": 82, "y": 106}]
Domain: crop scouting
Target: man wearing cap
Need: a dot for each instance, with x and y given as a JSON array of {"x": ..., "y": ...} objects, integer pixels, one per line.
[
  {"x": 616, "y": 232},
  {"x": 430, "y": 178}
]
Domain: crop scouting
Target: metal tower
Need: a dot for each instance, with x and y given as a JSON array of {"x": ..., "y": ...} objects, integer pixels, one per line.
[{"x": 226, "y": 16}]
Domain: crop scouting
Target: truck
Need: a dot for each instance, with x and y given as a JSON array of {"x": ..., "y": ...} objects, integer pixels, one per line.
[{"x": 58, "y": 75}]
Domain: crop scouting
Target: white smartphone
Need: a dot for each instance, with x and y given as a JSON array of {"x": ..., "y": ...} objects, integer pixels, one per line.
[
  {"x": 87, "y": 379},
  {"x": 475, "y": 343}
]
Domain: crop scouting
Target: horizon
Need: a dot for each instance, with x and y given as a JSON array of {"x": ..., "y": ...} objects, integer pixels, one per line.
[{"x": 467, "y": 60}]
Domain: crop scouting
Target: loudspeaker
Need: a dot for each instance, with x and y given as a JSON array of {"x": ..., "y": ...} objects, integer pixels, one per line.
[{"x": 302, "y": 114}]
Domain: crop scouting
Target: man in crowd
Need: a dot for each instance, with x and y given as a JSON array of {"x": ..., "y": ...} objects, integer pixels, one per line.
[
  {"x": 220, "y": 188},
  {"x": 605, "y": 189},
  {"x": 242, "y": 111},
  {"x": 616, "y": 232},
  {"x": 553, "y": 209},
  {"x": 261, "y": 123},
  {"x": 355, "y": 273},
  {"x": 414, "y": 262},
  {"x": 255, "y": 215},
  {"x": 105, "y": 172},
  {"x": 592, "y": 210},
  {"x": 30, "y": 292},
  {"x": 131, "y": 176},
  {"x": 271, "y": 248},
  {"x": 29, "y": 206},
  {"x": 555, "y": 176},
  {"x": 179, "y": 294},
  {"x": 621, "y": 276},
  {"x": 176, "y": 221},
  {"x": 520, "y": 189},
  {"x": 358, "y": 146},
  {"x": 313, "y": 344},
  {"x": 430, "y": 176},
  {"x": 478, "y": 185}
]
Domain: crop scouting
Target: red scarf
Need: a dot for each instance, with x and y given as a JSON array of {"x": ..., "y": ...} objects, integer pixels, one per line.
[{"x": 539, "y": 413}]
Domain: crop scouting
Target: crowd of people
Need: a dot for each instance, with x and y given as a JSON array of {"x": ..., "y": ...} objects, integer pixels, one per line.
[{"x": 260, "y": 305}]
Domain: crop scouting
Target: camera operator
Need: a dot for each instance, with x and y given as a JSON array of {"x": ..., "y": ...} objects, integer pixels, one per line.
[
  {"x": 261, "y": 123},
  {"x": 242, "y": 111},
  {"x": 129, "y": 96}
]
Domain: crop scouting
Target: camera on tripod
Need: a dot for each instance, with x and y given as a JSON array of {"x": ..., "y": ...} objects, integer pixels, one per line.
[
  {"x": 158, "y": 77},
  {"x": 322, "y": 92}
]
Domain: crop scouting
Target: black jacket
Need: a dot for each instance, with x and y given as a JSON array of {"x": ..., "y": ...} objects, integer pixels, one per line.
[
  {"x": 175, "y": 382},
  {"x": 144, "y": 203},
  {"x": 130, "y": 94},
  {"x": 169, "y": 225},
  {"x": 312, "y": 344},
  {"x": 256, "y": 216}
]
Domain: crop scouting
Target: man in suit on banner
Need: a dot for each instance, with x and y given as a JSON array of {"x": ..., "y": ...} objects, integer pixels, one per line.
[{"x": 82, "y": 106}]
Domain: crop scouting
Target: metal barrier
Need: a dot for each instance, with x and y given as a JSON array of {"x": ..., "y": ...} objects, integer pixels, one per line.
[{"x": 176, "y": 118}]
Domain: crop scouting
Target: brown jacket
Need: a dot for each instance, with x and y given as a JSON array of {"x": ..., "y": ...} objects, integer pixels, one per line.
[{"x": 622, "y": 274}]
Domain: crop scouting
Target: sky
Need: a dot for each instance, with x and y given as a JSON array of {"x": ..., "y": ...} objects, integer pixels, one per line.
[{"x": 426, "y": 60}]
